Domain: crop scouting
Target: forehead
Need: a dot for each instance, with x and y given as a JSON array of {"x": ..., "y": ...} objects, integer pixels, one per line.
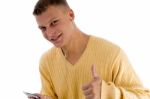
[{"x": 50, "y": 13}]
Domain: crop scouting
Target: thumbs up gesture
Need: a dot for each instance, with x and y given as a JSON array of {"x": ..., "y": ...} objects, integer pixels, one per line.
[{"x": 92, "y": 90}]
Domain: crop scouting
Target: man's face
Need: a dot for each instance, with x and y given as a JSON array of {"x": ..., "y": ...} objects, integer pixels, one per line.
[{"x": 56, "y": 24}]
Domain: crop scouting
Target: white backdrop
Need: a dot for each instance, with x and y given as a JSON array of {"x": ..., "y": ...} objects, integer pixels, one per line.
[{"x": 124, "y": 22}]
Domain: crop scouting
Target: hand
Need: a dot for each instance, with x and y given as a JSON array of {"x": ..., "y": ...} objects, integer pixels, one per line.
[
  {"x": 92, "y": 90},
  {"x": 41, "y": 96}
]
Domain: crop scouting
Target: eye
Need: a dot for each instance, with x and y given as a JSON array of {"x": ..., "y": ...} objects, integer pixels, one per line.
[
  {"x": 55, "y": 22},
  {"x": 42, "y": 29}
]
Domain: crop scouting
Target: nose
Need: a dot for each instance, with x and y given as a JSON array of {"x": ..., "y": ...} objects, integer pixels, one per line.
[{"x": 50, "y": 32}]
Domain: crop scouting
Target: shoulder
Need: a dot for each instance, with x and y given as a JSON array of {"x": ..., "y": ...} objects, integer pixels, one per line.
[
  {"x": 106, "y": 49},
  {"x": 104, "y": 44},
  {"x": 48, "y": 55}
]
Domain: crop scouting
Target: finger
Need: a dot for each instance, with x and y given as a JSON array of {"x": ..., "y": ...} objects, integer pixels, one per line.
[
  {"x": 37, "y": 96},
  {"x": 88, "y": 91},
  {"x": 94, "y": 74},
  {"x": 86, "y": 86},
  {"x": 89, "y": 96}
]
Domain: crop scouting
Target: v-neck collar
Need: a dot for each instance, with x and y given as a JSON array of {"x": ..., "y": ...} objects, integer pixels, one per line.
[{"x": 83, "y": 55}]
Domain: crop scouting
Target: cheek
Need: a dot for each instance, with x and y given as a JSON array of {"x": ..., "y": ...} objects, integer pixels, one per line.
[
  {"x": 66, "y": 27},
  {"x": 45, "y": 35}
]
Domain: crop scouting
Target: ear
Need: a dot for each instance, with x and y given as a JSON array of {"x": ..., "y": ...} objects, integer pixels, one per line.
[{"x": 71, "y": 14}]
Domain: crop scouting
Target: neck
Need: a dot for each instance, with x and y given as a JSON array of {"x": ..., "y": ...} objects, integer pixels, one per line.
[{"x": 76, "y": 45}]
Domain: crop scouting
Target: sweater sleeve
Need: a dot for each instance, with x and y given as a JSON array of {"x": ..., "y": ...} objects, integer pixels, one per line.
[
  {"x": 125, "y": 84},
  {"x": 47, "y": 86}
]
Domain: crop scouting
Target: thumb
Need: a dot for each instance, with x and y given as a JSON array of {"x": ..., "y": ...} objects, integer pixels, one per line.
[{"x": 94, "y": 74}]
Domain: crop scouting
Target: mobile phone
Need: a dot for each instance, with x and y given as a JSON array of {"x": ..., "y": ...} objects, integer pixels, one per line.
[{"x": 31, "y": 95}]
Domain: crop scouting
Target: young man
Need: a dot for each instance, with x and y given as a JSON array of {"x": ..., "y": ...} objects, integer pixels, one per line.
[{"x": 81, "y": 66}]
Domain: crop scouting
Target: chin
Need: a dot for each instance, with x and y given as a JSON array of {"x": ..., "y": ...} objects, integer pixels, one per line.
[{"x": 58, "y": 45}]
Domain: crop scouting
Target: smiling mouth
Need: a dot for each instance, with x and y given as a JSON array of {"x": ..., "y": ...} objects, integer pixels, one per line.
[{"x": 56, "y": 38}]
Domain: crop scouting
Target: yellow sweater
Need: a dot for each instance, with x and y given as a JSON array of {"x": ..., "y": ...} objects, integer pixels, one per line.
[{"x": 62, "y": 80}]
